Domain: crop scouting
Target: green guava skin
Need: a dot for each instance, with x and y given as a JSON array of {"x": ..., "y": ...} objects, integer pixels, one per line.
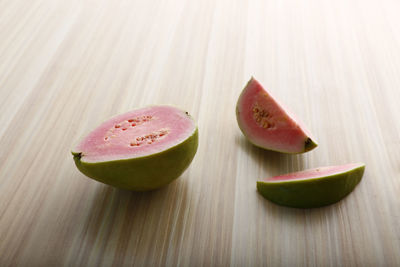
[
  {"x": 312, "y": 193},
  {"x": 142, "y": 173}
]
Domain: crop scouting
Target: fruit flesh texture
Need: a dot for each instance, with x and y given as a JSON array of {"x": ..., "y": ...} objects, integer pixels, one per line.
[
  {"x": 267, "y": 124},
  {"x": 313, "y": 173},
  {"x": 312, "y": 188},
  {"x": 137, "y": 133},
  {"x": 140, "y": 170}
]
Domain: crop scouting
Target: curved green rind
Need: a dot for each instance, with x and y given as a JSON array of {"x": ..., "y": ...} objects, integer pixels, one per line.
[
  {"x": 311, "y": 193},
  {"x": 143, "y": 173},
  {"x": 309, "y": 145}
]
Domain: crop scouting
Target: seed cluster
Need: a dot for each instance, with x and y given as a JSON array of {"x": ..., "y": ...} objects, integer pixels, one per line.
[
  {"x": 262, "y": 117},
  {"x": 149, "y": 138},
  {"x": 127, "y": 124}
]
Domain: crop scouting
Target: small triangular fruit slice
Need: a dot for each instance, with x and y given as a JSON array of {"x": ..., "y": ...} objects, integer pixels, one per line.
[
  {"x": 312, "y": 188},
  {"x": 267, "y": 124}
]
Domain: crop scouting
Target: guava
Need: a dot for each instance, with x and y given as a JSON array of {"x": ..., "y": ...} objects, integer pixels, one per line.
[
  {"x": 312, "y": 188},
  {"x": 140, "y": 150},
  {"x": 267, "y": 124}
]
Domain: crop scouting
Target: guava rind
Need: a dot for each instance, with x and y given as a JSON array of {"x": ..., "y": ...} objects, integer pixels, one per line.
[
  {"x": 309, "y": 144},
  {"x": 314, "y": 192},
  {"x": 142, "y": 173}
]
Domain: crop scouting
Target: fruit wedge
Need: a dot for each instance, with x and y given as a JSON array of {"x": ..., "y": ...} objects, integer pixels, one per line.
[
  {"x": 140, "y": 150},
  {"x": 312, "y": 188},
  {"x": 267, "y": 124}
]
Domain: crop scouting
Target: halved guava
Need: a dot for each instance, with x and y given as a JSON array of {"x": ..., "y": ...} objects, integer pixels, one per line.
[
  {"x": 141, "y": 150},
  {"x": 267, "y": 124},
  {"x": 312, "y": 188}
]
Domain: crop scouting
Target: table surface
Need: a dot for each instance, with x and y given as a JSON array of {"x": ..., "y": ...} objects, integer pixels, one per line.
[{"x": 66, "y": 66}]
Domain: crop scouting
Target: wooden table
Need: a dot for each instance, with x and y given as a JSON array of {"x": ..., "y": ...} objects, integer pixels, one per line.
[{"x": 66, "y": 66}]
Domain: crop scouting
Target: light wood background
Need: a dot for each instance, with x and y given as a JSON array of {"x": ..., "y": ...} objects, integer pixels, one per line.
[{"x": 66, "y": 66}]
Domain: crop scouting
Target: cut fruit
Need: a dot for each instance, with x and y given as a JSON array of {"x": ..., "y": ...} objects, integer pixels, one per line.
[
  {"x": 267, "y": 124},
  {"x": 140, "y": 150},
  {"x": 312, "y": 188}
]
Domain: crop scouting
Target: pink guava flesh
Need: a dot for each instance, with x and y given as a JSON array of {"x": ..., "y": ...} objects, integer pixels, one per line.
[
  {"x": 137, "y": 133},
  {"x": 266, "y": 123},
  {"x": 314, "y": 173}
]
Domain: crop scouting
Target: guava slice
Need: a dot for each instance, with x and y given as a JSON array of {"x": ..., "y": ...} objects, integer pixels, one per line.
[
  {"x": 312, "y": 188},
  {"x": 267, "y": 124},
  {"x": 140, "y": 150}
]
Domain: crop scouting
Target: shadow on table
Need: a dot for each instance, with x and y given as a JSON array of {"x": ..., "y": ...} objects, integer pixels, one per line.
[
  {"x": 272, "y": 162},
  {"x": 132, "y": 219}
]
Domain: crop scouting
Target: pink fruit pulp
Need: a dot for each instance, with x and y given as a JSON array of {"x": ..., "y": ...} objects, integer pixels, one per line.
[
  {"x": 314, "y": 173},
  {"x": 135, "y": 134},
  {"x": 285, "y": 132}
]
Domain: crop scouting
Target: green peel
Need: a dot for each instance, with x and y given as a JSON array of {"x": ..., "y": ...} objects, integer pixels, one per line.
[
  {"x": 142, "y": 173},
  {"x": 309, "y": 145}
]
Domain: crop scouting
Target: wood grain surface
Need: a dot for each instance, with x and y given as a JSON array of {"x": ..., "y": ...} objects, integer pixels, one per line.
[{"x": 66, "y": 66}]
